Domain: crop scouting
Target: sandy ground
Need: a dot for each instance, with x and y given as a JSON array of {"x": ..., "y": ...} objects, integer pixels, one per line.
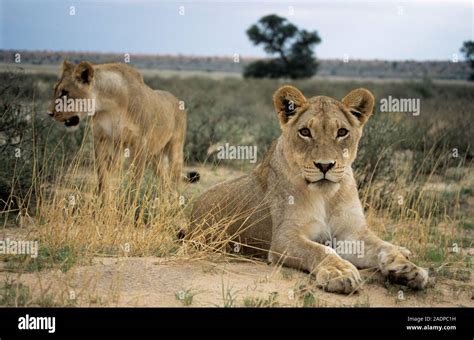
[{"x": 220, "y": 282}]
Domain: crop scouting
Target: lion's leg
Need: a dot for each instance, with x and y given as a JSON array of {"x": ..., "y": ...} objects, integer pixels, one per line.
[
  {"x": 137, "y": 167},
  {"x": 332, "y": 273},
  {"x": 159, "y": 164},
  {"x": 357, "y": 244},
  {"x": 104, "y": 160},
  {"x": 175, "y": 155},
  {"x": 390, "y": 259}
]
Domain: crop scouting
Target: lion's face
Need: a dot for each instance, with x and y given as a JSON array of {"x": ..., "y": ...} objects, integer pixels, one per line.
[
  {"x": 321, "y": 134},
  {"x": 72, "y": 95}
]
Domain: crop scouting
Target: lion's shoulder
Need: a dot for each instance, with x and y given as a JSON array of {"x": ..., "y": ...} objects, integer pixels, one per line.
[{"x": 128, "y": 73}]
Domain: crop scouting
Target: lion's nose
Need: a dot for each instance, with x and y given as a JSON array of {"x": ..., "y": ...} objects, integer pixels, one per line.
[
  {"x": 324, "y": 167},
  {"x": 50, "y": 114}
]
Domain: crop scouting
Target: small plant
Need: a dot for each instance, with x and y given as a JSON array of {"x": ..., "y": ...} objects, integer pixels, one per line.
[
  {"x": 309, "y": 300},
  {"x": 363, "y": 303},
  {"x": 269, "y": 301},
  {"x": 468, "y": 261},
  {"x": 46, "y": 300},
  {"x": 287, "y": 273},
  {"x": 185, "y": 296},
  {"x": 227, "y": 296},
  {"x": 63, "y": 258},
  {"x": 14, "y": 294}
]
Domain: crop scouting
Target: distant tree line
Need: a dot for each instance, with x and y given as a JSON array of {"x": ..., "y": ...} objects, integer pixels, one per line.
[{"x": 468, "y": 50}]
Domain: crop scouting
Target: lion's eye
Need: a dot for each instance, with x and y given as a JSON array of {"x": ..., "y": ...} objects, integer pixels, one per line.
[
  {"x": 305, "y": 132},
  {"x": 342, "y": 132},
  {"x": 63, "y": 93}
]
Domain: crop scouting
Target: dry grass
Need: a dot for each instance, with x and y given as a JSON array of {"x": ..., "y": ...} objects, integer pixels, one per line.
[{"x": 426, "y": 214}]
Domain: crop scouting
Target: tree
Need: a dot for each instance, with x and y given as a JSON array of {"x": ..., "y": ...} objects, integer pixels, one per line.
[
  {"x": 468, "y": 50},
  {"x": 293, "y": 47}
]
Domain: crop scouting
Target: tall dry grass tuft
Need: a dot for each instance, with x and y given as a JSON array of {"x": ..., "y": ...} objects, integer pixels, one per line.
[
  {"x": 140, "y": 216},
  {"x": 220, "y": 228}
]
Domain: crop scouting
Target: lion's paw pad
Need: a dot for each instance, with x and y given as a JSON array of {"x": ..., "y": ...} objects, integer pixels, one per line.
[{"x": 338, "y": 277}]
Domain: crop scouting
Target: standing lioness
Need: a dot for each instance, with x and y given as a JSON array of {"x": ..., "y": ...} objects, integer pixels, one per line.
[
  {"x": 304, "y": 194},
  {"x": 150, "y": 125}
]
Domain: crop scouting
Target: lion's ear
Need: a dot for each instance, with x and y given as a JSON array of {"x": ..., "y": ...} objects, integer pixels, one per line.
[
  {"x": 67, "y": 66},
  {"x": 360, "y": 102},
  {"x": 287, "y": 100},
  {"x": 84, "y": 72}
]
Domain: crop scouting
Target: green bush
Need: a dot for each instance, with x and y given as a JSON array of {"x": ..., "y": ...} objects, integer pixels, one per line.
[{"x": 31, "y": 143}]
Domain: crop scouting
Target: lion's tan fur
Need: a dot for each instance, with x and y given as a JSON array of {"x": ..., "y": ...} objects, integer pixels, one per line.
[
  {"x": 282, "y": 210},
  {"x": 151, "y": 124}
]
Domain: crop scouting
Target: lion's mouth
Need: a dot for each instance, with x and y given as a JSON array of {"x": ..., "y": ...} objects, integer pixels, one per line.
[
  {"x": 321, "y": 181},
  {"x": 73, "y": 121}
]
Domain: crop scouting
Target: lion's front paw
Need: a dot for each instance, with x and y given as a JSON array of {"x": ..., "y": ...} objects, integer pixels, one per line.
[
  {"x": 399, "y": 270},
  {"x": 337, "y": 275}
]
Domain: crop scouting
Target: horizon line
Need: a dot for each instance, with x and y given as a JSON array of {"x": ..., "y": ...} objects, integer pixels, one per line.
[{"x": 201, "y": 56}]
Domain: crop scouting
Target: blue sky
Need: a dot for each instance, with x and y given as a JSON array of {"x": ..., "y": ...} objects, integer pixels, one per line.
[{"x": 393, "y": 30}]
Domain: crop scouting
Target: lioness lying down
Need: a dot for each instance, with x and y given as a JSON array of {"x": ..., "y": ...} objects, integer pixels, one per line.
[
  {"x": 148, "y": 125},
  {"x": 303, "y": 194}
]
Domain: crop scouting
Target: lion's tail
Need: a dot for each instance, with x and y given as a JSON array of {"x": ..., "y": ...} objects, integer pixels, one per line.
[
  {"x": 192, "y": 177},
  {"x": 181, "y": 234}
]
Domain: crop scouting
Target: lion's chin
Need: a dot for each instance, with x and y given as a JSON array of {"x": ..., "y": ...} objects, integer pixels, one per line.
[{"x": 323, "y": 186}]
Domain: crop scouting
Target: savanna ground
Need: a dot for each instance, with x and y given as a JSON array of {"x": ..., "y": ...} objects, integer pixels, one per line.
[{"x": 414, "y": 173}]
